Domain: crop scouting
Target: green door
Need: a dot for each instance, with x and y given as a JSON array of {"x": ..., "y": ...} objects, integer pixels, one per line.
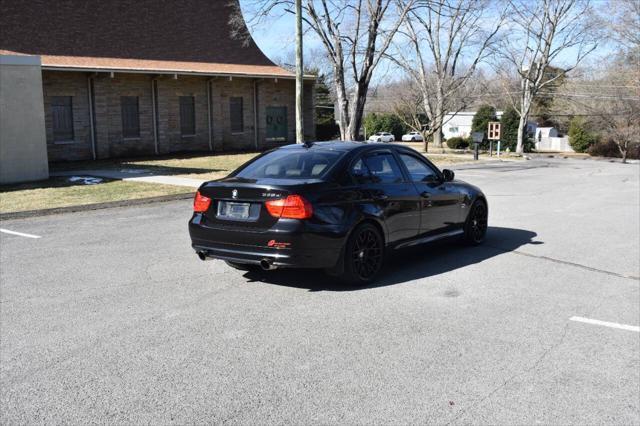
[{"x": 277, "y": 124}]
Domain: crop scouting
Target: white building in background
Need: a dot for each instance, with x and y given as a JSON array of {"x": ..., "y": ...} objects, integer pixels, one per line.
[
  {"x": 546, "y": 132},
  {"x": 547, "y": 139},
  {"x": 459, "y": 124}
]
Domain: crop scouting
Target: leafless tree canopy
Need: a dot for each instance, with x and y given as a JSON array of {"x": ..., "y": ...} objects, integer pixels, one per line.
[
  {"x": 355, "y": 35},
  {"x": 439, "y": 47},
  {"x": 541, "y": 32},
  {"x": 448, "y": 55}
]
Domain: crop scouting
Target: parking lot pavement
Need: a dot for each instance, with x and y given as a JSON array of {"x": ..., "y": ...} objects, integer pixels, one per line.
[{"x": 110, "y": 317}]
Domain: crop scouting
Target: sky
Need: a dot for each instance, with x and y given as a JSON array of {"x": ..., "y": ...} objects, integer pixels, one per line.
[{"x": 276, "y": 39}]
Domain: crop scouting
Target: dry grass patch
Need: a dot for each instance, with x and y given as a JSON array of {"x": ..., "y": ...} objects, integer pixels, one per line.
[{"x": 59, "y": 192}]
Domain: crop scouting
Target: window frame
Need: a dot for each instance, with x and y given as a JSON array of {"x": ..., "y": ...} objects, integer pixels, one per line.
[
  {"x": 419, "y": 158},
  {"x": 125, "y": 135},
  {"x": 231, "y": 120},
  {"x": 72, "y": 132},
  {"x": 190, "y": 132},
  {"x": 372, "y": 153}
]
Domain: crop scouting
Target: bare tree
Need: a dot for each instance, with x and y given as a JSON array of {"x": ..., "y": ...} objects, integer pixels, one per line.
[
  {"x": 440, "y": 47},
  {"x": 408, "y": 106},
  {"x": 625, "y": 25},
  {"x": 355, "y": 35},
  {"x": 544, "y": 32}
]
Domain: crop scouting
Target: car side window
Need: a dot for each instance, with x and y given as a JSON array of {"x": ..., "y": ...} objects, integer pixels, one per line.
[
  {"x": 360, "y": 172},
  {"x": 383, "y": 168},
  {"x": 419, "y": 170}
]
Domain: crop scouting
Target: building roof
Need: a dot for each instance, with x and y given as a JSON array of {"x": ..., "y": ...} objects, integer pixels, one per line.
[{"x": 190, "y": 36}]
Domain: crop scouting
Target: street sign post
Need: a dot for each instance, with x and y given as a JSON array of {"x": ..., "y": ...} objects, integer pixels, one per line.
[{"x": 494, "y": 135}]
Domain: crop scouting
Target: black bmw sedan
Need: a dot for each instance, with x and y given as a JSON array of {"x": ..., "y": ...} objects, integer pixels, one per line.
[{"x": 339, "y": 206}]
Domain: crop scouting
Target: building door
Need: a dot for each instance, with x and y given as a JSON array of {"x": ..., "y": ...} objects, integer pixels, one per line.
[{"x": 277, "y": 124}]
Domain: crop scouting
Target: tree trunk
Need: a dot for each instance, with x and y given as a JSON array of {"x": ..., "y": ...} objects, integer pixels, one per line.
[
  {"x": 438, "y": 118},
  {"x": 521, "y": 129},
  {"x": 343, "y": 119},
  {"x": 425, "y": 140},
  {"x": 437, "y": 138},
  {"x": 624, "y": 150},
  {"x": 525, "y": 107},
  {"x": 342, "y": 103},
  {"x": 437, "y": 128}
]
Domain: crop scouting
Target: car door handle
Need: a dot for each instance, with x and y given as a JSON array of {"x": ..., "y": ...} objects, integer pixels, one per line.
[
  {"x": 380, "y": 196},
  {"x": 425, "y": 194}
]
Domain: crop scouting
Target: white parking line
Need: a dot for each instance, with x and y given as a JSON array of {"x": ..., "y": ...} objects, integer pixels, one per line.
[
  {"x": 20, "y": 234},
  {"x": 606, "y": 324}
]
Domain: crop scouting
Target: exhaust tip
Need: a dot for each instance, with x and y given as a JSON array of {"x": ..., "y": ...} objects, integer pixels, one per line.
[
  {"x": 202, "y": 255},
  {"x": 266, "y": 265}
]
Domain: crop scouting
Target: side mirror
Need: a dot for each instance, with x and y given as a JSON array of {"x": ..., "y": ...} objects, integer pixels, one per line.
[{"x": 448, "y": 175}]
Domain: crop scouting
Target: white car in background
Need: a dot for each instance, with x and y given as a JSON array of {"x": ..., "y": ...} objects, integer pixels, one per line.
[
  {"x": 382, "y": 137},
  {"x": 412, "y": 137}
]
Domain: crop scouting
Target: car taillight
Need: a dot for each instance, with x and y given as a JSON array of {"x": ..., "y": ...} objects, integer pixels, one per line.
[
  {"x": 292, "y": 207},
  {"x": 201, "y": 203}
]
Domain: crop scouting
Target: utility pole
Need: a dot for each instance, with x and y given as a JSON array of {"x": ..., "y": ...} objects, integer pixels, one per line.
[{"x": 299, "y": 74}]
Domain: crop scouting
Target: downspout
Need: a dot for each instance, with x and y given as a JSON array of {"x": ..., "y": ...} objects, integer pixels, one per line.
[
  {"x": 255, "y": 113},
  {"x": 91, "y": 115},
  {"x": 209, "y": 111},
  {"x": 154, "y": 112}
]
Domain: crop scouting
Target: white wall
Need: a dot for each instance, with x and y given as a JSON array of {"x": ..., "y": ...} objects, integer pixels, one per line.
[
  {"x": 459, "y": 124},
  {"x": 554, "y": 144},
  {"x": 23, "y": 146}
]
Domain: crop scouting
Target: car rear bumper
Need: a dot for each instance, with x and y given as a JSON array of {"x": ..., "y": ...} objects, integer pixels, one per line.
[{"x": 289, "y": 244}]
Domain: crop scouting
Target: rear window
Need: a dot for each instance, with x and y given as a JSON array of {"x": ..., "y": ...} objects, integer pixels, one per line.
[{"x": 291, "y": 164}]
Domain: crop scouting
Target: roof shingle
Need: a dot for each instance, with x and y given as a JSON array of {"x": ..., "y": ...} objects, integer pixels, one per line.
[{"x": 187, "y": 36}]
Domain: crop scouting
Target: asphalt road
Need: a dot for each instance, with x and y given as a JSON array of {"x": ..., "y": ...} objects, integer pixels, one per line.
[{"x": 109, "y": 317}]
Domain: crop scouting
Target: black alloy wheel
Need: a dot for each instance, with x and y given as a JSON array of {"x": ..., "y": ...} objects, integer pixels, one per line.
[
  {"x": 475, "y": 228},
  {"x": 364, "y": 255}
]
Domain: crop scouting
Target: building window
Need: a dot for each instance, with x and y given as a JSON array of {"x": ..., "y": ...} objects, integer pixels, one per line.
[
  {"x": 130, "y": 117},
  {"x": 453, "y": 129},
  {"x": 187, "y": 116},
  {"x": 235, "y": 110},
  {"x": 62, "y": 117}
]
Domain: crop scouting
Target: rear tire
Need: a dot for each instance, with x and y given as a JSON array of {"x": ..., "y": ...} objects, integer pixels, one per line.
[
  {"x": 363, "y": 255},
  {"x": 475, "y": 227},
  {"x": 244, "y": 266}
]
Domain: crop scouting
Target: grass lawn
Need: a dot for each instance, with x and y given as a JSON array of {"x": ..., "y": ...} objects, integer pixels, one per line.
[
  {"x": 59, "y": 192},
  {"x": 209, "y": 167},
  {"x": 217, "y": 166}
]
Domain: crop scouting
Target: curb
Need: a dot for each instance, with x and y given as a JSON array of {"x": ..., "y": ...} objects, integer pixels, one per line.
[{"x": 96, "y": 206}]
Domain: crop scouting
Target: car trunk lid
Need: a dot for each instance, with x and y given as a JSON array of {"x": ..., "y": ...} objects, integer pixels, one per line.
[{"x": 240, "y": 203}]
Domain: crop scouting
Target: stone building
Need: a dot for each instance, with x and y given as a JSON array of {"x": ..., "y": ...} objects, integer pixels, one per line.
[{"x": 139, "y": 78}]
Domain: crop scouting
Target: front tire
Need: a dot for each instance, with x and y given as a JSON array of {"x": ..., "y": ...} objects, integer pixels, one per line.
[
  {"x": 363, "y": 255},
  {"x": 475, "y": 227}
]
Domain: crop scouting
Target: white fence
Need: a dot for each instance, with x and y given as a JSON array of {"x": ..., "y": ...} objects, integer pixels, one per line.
[{"x": 554, "y": 144}]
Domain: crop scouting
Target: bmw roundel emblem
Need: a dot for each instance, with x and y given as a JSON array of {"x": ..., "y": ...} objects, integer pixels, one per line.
[{"x": 234, "y": 194}]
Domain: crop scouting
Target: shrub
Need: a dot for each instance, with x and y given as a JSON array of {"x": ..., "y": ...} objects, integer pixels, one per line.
[
  {"x": 482, "y": 117},
  {"x": 457, "y": 143},
  {"x": 580, "y": 138},
  {"x": 604, "y": 149},
  {"x": 509, "y": 128},
  {"x": 327, "y": 130},
  {"x": 375, "y": 122}
]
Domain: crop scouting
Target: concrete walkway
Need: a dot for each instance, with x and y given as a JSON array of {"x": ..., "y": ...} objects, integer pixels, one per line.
[{"x": 134, "y": 175}]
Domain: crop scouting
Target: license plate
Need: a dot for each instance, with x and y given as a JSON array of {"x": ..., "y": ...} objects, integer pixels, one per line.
[{"x": 231, "y": 210}]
